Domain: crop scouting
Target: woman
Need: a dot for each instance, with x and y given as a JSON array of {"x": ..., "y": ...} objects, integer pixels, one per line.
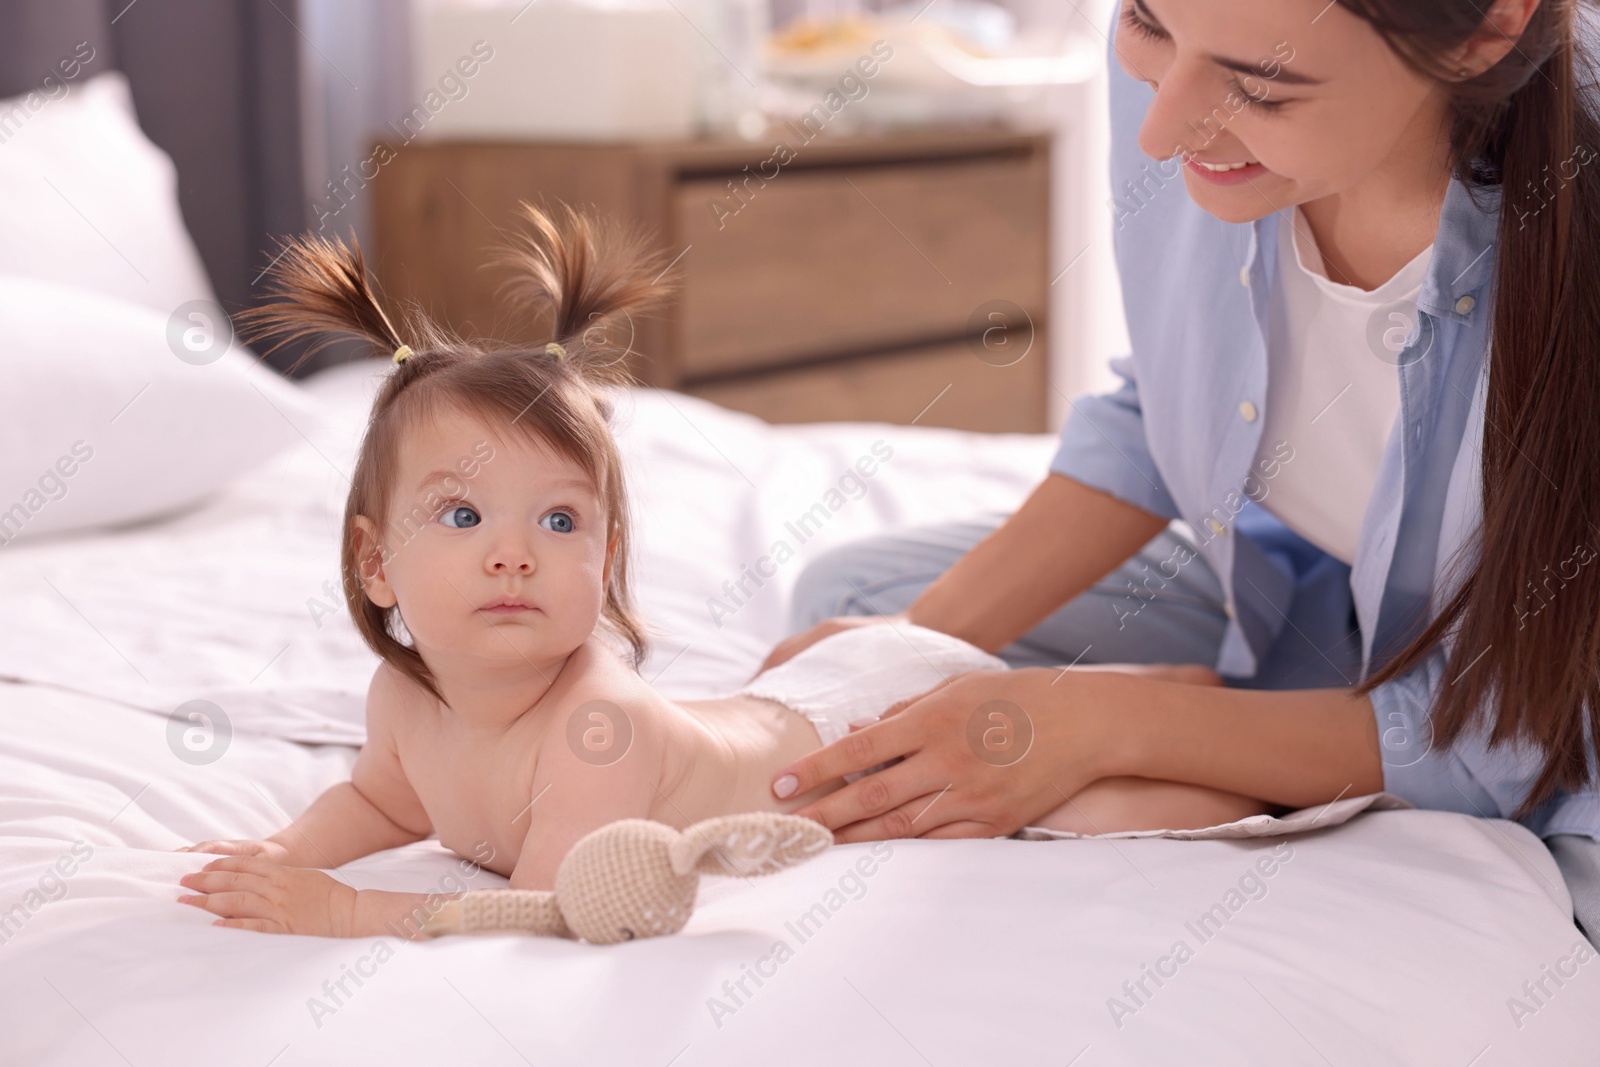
[{"x": 1384, "y": 548}]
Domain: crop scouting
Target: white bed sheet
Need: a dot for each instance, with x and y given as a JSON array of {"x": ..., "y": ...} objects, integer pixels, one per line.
[
  {"x": 1399, "y": 937},
  {"x": 237, "y": 601}
]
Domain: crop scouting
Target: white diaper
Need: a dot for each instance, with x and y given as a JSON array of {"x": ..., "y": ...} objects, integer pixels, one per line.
[{"x": 862, "y": 672}]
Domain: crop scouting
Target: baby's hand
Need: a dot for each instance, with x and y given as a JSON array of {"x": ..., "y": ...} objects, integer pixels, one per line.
[
  {"x": 267, "y": 850},
  {"x": 251, "y": 893}
]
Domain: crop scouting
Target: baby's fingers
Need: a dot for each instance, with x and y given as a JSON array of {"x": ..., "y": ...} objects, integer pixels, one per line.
[
  {"x": 209, "y": 881},
  {"x": 243, "y": 905},
  {"x": 246, "y": 865},
  {"x": 225, "y": 848},
  {"x": 260, "y": 926}
]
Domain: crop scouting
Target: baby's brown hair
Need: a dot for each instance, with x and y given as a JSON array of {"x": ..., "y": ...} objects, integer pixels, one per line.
[{"x": 584, "y": 275}]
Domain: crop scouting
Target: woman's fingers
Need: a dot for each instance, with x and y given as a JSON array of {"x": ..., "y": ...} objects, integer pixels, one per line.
[
  {"x": 924, "y": 815},
  {"x": 962, "y": 828},
  {"x": 912, "y": 818},
  {"x": 881, "y": 794},
  {"x": 857, "y": 750}
]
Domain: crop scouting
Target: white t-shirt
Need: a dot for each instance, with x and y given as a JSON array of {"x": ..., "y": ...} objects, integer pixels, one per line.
[{"x": 1333, "y": 389}]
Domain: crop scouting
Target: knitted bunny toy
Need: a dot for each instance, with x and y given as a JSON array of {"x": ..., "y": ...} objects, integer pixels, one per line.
[{"x": 636, "y": 878}]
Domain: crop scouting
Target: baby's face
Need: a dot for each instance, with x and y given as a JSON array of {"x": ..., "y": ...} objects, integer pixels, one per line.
[{"x": 495, "y": 548}]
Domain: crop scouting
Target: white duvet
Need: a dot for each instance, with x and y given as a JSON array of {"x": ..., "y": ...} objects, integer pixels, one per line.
[{"x": 1399, "y": 936}]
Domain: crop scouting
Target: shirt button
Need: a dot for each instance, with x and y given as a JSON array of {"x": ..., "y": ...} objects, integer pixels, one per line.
[
  {"x": 1216, "y": 527},
  {"x": 1244, "y": 276},
  {"x": 1248, "y": 410},
  {"x": 1227, "y": 609},
  {"x": 1465, "y": 305}
]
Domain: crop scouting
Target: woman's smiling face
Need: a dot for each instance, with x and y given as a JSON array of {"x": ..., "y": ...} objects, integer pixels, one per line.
[
  {"x": 504, "y": 566},
  {"x": 1307, "y": 94}
]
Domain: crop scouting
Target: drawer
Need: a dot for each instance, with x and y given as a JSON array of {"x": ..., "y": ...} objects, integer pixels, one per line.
[
  {"x": 897, "y": 387},
  {"x": 844, "y": 260}
]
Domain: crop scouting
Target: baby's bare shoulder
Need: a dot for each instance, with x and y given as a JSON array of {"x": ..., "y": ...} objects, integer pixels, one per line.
[
  {"x": 607, "y": 712},
  {"x": 394, "y": 698}
]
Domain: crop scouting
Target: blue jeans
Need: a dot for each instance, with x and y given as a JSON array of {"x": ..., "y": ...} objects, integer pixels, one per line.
[{"x": 1133, "y": 615}]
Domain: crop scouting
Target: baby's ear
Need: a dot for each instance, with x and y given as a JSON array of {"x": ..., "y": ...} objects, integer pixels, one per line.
[{"x": 369, "y": 563}]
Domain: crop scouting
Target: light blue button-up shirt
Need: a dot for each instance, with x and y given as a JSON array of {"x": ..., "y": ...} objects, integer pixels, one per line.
[{"x": 1180, "y": 439}]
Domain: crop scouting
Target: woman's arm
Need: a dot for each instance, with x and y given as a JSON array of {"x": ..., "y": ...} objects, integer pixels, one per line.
[
  {"x": 1064, "y": 538},
  {"x": 1294, "y": 747},
  {"x": 1291, "y": 748}
]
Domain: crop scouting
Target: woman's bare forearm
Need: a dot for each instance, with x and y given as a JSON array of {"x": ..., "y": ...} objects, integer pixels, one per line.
[
  {"x": 341, "y": 825},
  {"x": 1293, "y": 747},
  {"x": 1064, "y": 538}
]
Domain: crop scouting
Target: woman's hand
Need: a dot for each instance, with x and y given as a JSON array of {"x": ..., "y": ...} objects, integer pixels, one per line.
[
  {"x": 795, "y": 644},
  {"x": 267, "y": 850},
  {"x": 251, "y": 893},
  {"x": 981, "y": 755}
]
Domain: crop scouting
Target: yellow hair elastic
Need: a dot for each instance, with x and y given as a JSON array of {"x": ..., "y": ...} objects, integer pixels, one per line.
[
  {"x": 402, "y": 353},
  {"x": 553, "y": 349}
]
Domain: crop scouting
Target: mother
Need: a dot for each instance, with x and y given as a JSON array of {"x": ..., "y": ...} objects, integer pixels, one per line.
[{"x": 1315, "y": 476}]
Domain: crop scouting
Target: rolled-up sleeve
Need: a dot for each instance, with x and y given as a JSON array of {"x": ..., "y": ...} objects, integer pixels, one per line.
[
  {"x": 1103, "y": 445},
  {"x": 1469, "y": 776}
]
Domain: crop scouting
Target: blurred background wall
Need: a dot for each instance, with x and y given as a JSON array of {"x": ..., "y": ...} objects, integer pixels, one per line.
[{"x": 358, "y": 78}]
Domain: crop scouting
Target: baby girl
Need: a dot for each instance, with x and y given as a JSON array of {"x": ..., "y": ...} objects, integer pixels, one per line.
[{"x": 485, "y": 553}]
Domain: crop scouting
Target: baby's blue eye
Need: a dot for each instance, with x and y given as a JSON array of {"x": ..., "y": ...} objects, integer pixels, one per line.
[
  {"x": 460, "y": 517},
  {"x": 558, "y": 522}
]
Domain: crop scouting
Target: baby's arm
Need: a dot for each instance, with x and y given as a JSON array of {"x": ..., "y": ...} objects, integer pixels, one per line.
[
  {"x": 576, "y": 792},
  {"x": 571, "y": 794},
  {"x": 376, "y": 810}
]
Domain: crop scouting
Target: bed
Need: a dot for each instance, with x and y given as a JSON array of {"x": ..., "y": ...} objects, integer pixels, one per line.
[
  {"x": 176, "y": 665},
  {"x": 1399, "y": 936}
]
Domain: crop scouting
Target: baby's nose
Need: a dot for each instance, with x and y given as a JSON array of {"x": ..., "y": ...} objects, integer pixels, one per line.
[{"x": 511, "y": 559}]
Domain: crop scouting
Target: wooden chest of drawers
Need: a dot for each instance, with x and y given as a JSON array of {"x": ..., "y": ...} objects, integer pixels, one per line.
[{"x": 896, "y": 277}]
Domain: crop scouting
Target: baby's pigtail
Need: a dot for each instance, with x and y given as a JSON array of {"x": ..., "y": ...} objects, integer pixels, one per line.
[
  {"x": 585, "y": 273},
  {"x": 323, "y": 292}
]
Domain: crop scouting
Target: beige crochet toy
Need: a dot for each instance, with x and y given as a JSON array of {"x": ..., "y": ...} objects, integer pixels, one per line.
[{"x": 636, "y": 878}]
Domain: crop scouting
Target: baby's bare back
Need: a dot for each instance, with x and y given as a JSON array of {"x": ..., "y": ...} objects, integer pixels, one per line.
[{"x": 599, "y": 746}]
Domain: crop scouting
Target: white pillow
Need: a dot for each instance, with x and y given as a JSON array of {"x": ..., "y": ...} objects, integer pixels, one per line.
[
  {"x": 109, "y": 415},
  {"x": 87, "y": 200}
]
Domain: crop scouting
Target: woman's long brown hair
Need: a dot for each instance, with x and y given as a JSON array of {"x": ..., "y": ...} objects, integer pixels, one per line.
[
  {"x": 1524, "y": 617},
  {"x": 581, "y": 275}
]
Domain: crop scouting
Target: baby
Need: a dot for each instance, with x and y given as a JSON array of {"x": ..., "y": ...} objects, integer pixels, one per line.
[{"x": 485, "y": 552}]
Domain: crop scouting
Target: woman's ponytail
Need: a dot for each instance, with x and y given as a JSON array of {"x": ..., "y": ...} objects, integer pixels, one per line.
[{"x": 1524, "y": 665}]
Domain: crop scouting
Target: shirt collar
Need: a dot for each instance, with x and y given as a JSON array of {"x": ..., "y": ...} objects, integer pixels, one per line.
[{"x": 1463, "y": 253}]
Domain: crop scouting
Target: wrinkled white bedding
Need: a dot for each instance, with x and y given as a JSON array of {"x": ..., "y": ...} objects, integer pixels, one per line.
[
  {"x": 237, "y": 602},
  {"x": 1398, "y": 937}
]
